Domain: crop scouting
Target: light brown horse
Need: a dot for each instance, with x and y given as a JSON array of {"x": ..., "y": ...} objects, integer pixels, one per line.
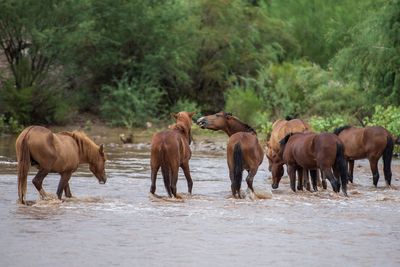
[
  {"x": 56, "y": 152},
  {"x": 370, "y": 143},
  {"x": 280, "y": 129},
  {"x": 311, "y": 151},
  {"x": 243, "y": 150},
  {"x": 169, "y": 151}
]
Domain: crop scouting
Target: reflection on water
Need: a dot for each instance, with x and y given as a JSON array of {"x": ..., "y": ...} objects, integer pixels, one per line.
[{"x": 120, "y": 224}]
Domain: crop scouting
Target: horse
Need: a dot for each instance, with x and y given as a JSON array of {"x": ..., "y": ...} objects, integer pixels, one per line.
[
  {"x": 169, "y": 151},
  {"x": 56, "y": 152},
  {"x": 280, "y": 128},
  {"x": 311, "y": 151},
  {"x": 370, "y": 142},
  {"x": 243, "y": 149}
]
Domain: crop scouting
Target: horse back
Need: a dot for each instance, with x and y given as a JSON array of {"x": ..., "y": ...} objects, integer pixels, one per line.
[{"x": 170, "y": 145}]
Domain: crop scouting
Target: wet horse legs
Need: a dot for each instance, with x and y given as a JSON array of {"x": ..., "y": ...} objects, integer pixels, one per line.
[
  {"x": 154, "y": 170},
  {"x": 38, "y": 181},
  {"x": 350, "y": 170},
  {"x": 63, "y": 182},
  {"x": 292, "y": 175},
  {"x": 186, "y": 171},
  {"x": 373, "y": 163},
  {"x": 250, "y": 178}
]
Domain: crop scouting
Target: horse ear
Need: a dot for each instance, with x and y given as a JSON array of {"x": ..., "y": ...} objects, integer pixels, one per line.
[
  {"x": 174, "y": 115},
  {"x": 101, "y": 149},
  {"x": 191, "y": 114}
]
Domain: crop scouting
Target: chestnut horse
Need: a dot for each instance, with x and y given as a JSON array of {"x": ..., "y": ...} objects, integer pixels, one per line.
[
  {"x": 311, "y": 151},
  {"x": 169, "y": 151},
  {"x": 56, "y": 152},
  {"x": 280, "y": 129},
  {"x": 371, "y": 143},
  {"x": 243, "y": 150}
]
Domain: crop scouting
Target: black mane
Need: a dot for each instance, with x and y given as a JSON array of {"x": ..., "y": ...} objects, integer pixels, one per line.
[
  {"x": 338, "y": 130},
  {"x": 285, "y": 139}
]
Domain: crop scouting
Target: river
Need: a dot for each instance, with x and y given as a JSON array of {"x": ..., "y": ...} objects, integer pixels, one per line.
[{"x": 119, "y": 224}]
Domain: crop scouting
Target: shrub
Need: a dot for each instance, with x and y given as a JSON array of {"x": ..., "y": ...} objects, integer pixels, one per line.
[
  {"x": 187, "y": 105},
  {"x": 327, "y": 124},
  {"x": 386, "y": 117},
  {"x": 131, "y": 103},
  {"x": 246, "y": 105}
]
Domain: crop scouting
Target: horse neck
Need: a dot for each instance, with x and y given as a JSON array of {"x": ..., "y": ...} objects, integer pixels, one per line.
[
  {"x": 88, "y": 151},
  {"x": 235, "y": 126},
  {"x": 183, "y": 130}
]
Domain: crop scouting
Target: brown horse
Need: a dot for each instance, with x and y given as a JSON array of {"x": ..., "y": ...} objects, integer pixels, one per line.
[
  {"x": 280, "y": 129},
  {"x": 243, "y": 150},
  {"x": 371, "y": 143},
  {"x": 169, "y": 151},
  {"x": 311, "y": 151},
  {"x": 56, "y": 152}
]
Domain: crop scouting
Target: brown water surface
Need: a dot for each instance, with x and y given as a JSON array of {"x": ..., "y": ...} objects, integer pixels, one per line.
[{"x": 118, "y": 224}]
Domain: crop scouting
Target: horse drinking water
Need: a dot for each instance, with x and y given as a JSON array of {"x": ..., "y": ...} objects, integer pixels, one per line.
[
  {"x": 169, "y": 151},
  {"x": 310, "y": 151},
  {"x": 56, "y": 152},
  {"x": 243, "y": 150}
]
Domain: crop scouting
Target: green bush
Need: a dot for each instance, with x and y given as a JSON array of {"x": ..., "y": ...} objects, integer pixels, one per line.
[
  {"x": 245, "y": 104},
  {"x": 386, "y": 117},
  {"x": 131, "y": 103},
  {"x": 327, "y": 124},
  {"x": 187, "y": 105}
]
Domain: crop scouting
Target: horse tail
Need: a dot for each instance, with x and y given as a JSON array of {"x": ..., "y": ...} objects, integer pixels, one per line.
[
  {"x": 341, "y": 166},
  {"x": 165, "y": 169},
  {"x": 237, "y": 166},
  {"x": 23, "y": 167},
  {"x": 387, "y": 159}
]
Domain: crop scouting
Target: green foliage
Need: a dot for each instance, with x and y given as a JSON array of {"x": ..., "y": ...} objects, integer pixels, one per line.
[
  {"x": 245, "y": 104},
  {"x": 187, "y": 105},
  {"x": 326, "y": 124},
  {"x": 372, "y": 58},
  {"x": 388, "y": 117},
  {"x": 131, "y": 103},
  {"x": 9, "y": 125}
]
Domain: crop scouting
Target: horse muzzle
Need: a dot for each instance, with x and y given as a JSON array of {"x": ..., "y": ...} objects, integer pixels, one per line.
[
  {"x": 275, "y": 186},
  {"x": 202, "y": 122},
  {"x": 103, "y": 180}
]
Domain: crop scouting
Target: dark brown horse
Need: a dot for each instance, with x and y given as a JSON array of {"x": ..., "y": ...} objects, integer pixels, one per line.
[
  {"x": 56, "y": 152},
  {"x": 370, "y": 143},
  {"x": 169, "y": 151},
  {"x": 310, "y": 151},
  {"x": 280, "y": 128},
  {"x": 243, "y": 150}
]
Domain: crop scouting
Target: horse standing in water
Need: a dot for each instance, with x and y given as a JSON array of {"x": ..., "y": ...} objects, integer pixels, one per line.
[
  {"x": 169, "y": 151},
  {"x": 280, "y": 129},
  {"x": 310, "y": 151},
  {"x": 243, "y": 150},
  {"x": 371, "y": 143},
  {"x": 56, "y": 152}
]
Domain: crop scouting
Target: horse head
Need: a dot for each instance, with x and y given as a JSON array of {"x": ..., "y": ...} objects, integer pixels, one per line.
[
  {"x": 97, "y": 165},
  {"x": 184, "y": 123},
  {"x": 224, "y": 121}
]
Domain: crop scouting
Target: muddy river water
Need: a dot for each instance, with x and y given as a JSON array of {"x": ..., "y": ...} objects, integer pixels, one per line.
[{"x": 118, "y": 224}]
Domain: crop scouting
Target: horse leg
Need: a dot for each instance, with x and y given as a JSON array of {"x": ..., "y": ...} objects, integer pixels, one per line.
[
  {"x": 67, "y": 191},
  {"x": 186, "y": 171},
  {"x": 323, "y": 179},
  {"x": 329, "y": 175},
  {"x": 292, "y": 175},
  {"x": 63, "y": 182},
  {"x": 373, "y": 163},
  {"x": 351, "y": 169},
  {"x": 314, "y": 178},
  {"x": 154, "y": 170},
  {"x": 38, "y": 181},
  {"x": 174, "y": 181},
  {"x": 300, "y": 179},
  {"x": 250, "y": 178}
]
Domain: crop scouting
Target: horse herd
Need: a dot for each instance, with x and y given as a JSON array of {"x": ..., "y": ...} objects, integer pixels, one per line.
[{"x": 306, "y": 153}]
